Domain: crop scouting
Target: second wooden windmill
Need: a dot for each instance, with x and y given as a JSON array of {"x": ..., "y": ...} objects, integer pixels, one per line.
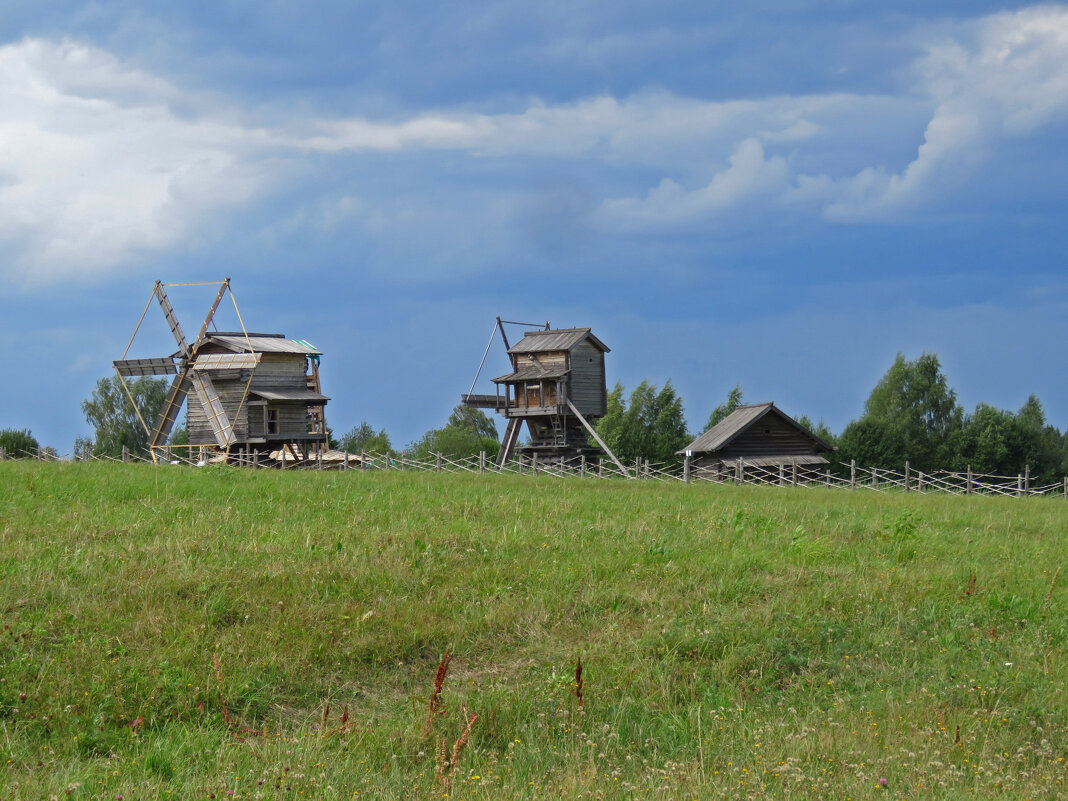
[{"x": 556, "y": 386}]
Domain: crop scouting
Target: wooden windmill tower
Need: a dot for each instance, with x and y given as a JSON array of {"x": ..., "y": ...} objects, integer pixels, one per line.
[
  {"x": 249, "y": 394},
  {"x": 556, "y": 386}
]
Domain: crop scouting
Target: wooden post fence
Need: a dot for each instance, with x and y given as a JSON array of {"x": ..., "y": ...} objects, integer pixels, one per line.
[
  {"x": 852, "y": 474},
  {"x": 907, "y": 477}
]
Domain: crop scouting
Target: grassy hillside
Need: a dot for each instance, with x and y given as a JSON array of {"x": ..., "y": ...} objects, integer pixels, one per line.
[{"x": 735, "y": 642}]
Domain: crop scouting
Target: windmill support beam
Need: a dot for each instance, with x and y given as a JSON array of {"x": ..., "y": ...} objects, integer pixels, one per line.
[{"x": 596, "y": 438}]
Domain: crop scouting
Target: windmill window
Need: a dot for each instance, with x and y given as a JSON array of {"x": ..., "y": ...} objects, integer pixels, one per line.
[{"x": 272, "y": 421}]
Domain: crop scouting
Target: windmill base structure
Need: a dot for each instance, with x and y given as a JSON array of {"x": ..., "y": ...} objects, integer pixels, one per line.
[
  {"x": 252, "y": 397},
  {"x": 557, "y": 387}
]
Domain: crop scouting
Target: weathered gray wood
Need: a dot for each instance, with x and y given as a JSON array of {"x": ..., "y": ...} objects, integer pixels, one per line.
[
  {"x": 686, "y": 470},
  {"x": 970, "y": 485},
  {"x": 440, "y": 460},
  {"x": 874, "y": 478},
  {"x": 582, "y": 465},
  {"x": 125, "y": 454},
  {"x": 1027, "y": 479},
  {"x": 907, "y": 488},
  {"x": 852, "y": 474},
  {"x": 1019, "y": 484},
  {"x": 793, "y": 475},
  {"x": 482, "y": 461}
]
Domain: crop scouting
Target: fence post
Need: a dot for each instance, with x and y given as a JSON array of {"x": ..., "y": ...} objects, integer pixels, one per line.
[
  {"x": 533, "y": 464},
  {"x": 1066, "y": 486},
  {"x": 482, "y": 461},
  {"x": 1027, "y": 479},
  {"x": 968, "y": 490},
  {"x": 256, "y": 458},
  {"x": 919, "y": 481},
  {"x": 827, "y": 476},
  {"x": 125, "y": 454},
  {"x": 404, "y": 461},
  {"x": 3, "y": 455},
  {"x": 439, "y": 460},
  {"x": 686, "y": 468},
  {"x": 906, "y": 476},
  {"x": 600, "y": 468},
  {"x": 318, "y": 458},
  {"x": 852, "y": 474},
  {"x": 739, "y": 471},
  {"x": 582, "y": 466},
  {"x": 875, "y": 478},
  {"x": 793, "y": 474},
  {"x": 1019, "y": 484},
  {"x": 561, "y": 464}
]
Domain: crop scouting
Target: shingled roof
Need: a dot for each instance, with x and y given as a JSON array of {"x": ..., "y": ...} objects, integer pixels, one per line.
[
  {"x": 555, "y": 339},
  {"x": 730, "y": 427}
]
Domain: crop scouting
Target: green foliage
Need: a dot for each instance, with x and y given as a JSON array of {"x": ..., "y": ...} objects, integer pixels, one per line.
[
  {"x": 115, "y": 420},
  {"x": 652, "y": 426},
  {"x": 467, "y": 432},
  {"x": 998, "y": 442},
  {"x": 911, "y": 415},
  {"x": 180, "y": 436},
  {"x": 19, "y": 443},
  {"x": 363, "y": 438},
  {"x": 820, "y": 429},
  {"x": 734, "y": 400}
]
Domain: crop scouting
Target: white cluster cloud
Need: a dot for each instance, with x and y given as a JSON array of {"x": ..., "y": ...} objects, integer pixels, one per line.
[
  {"x": 102, "y": 164},
  {"x": 97, "y": 168}
]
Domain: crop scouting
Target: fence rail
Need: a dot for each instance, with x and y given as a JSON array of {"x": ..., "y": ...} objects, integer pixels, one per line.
[{"x": 863, "y": 479}]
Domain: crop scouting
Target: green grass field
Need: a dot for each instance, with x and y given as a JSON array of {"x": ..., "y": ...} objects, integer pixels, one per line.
[{"x": 736, "y": 642}]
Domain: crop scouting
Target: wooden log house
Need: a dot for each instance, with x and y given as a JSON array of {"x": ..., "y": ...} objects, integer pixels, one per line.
[{"x": 759, "y": 435}]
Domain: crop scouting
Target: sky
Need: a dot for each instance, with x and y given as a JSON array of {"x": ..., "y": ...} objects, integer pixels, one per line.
[{"x": 781, "y": 195}]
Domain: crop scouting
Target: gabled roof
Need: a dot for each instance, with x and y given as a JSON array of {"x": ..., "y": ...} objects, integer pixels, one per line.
[
  {"x": 727, "y": 430},
  {"x": 261, "y": 343},
  {"x": 555, "y": 339}
]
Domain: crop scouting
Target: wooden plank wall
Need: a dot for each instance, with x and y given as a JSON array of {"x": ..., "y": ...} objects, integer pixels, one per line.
[{"x": 588, "y": 390}]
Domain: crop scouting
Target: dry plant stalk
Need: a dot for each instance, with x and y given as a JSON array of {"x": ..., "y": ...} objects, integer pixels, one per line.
[
  {"x": 435, "y": 706},
  {"x": 461, "y": 741},
  {"x": 443, "y": 776},
  {"x": 1049, "y": 594},
  {"x": 222, "y": 697},
  {"x": 578, "y": 683},
  {"x": 326, "y": 719}
]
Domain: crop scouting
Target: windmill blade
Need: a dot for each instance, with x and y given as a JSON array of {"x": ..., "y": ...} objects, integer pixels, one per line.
[
  {"x": 213, "y": 408},
  {"x": 211, "y": 313},
  {"x": 208, "y": 362},
  {"x": 144, "y": 367},
  {"x": 171, "y": 407},
  {"x": 172, "y": 319}
]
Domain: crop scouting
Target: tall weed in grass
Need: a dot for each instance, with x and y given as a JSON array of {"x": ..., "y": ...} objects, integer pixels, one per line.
[{"x": 735, "y": 641}]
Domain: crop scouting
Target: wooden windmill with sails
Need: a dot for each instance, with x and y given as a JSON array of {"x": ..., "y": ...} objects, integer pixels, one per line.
[{"x": 250, "y": 395}]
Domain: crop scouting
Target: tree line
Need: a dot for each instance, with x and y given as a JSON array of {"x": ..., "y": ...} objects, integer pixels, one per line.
[{"x": 911, "y": 415}]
